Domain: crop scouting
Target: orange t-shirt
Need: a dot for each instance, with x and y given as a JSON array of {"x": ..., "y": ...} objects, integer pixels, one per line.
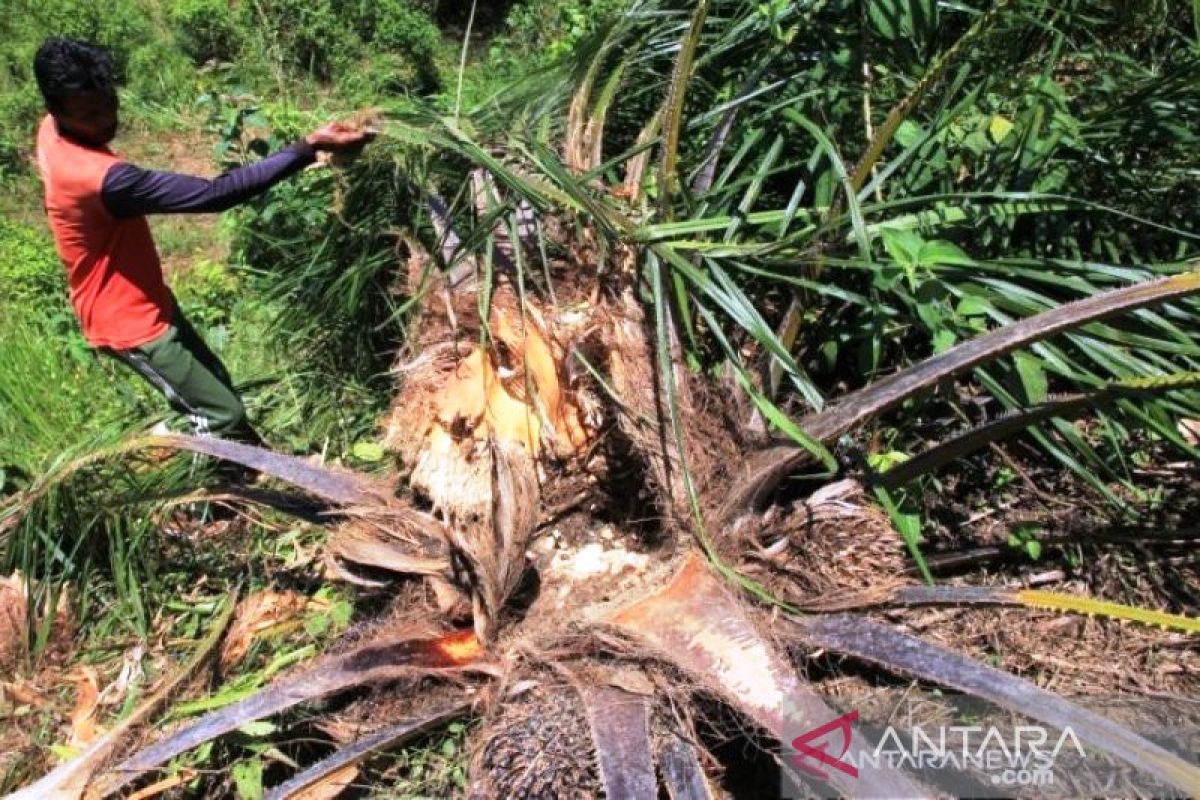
[{"x": 115, "y": 278}]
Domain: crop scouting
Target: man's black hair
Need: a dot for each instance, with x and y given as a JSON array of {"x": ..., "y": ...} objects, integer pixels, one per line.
[{"x": 66, "y": 66}]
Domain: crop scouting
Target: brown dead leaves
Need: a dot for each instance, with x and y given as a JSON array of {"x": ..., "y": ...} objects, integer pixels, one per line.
[
  {"x": 84, "y": 726},
  {"x": 263, "y": 613},
  {"x": 158, "y": 787},
  {"x": 14, "y": 622},
  {"x": 15, "y": 617},
  {"x": 329, "y": 786}
]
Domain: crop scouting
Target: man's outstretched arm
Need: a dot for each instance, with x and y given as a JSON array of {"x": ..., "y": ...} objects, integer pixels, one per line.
[{"x": 130, "y": 191}]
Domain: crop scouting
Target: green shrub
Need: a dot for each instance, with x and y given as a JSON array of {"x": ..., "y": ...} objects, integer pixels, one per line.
[
  {"x": 120, "y": 25},
  {"x": 398, "y": 27},
  {"x": 546, "y": 30},
  {"x": 15, "y": 148},
  {"x": 207, "y": 30},
  {"x": 207, "y": 290},
  {"x": 389, "y": 44},
  {"x": 30, "y": 271},
  {"x": 383, "y": 75},
  {"x": 287, "y": 122},
  {"x": 537, "y": 35},
  {"x": 160, "y": 74},
  {"x": 308, "y": 35},
  {"x": 408, "y": 46},
  {"x": 153, "y": 69},
  {"x": 22, "y": 108}
]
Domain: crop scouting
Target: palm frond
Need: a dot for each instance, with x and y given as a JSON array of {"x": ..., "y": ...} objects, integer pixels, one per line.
[
  {"x": 388, "y": 737},
  {"x": 620, "y": 727},
  {"x": 375, "y": 662}
]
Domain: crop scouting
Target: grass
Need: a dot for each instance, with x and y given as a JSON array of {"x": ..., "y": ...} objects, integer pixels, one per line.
[{"x": 432, "y": 767}]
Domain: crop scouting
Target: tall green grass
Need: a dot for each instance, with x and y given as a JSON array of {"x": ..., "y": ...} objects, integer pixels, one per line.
[{"x": 58, "y": 402}]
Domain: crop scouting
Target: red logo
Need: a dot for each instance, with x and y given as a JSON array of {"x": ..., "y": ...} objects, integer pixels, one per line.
[{"x": 819, "y": 752}]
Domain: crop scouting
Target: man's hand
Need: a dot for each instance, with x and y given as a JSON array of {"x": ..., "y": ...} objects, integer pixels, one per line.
[{"x": 339, "y": 137}]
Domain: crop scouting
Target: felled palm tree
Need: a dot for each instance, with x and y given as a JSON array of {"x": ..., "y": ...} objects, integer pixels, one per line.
[
  {"x": 476, "y": 453},
  {"x": 529, "y": 393}
]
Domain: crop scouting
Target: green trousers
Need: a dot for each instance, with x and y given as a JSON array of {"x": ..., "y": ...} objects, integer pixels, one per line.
[{"x": 192, "y": 378}]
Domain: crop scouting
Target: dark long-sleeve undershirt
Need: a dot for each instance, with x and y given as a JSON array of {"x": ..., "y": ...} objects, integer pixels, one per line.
[{"x": 130, "y": 191}]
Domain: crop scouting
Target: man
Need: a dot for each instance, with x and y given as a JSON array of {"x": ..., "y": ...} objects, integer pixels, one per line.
[{"x": 96, "y": 204}]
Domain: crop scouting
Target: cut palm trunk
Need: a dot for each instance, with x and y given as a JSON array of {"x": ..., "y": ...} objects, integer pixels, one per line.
[{"x": 473, "y": 421}]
